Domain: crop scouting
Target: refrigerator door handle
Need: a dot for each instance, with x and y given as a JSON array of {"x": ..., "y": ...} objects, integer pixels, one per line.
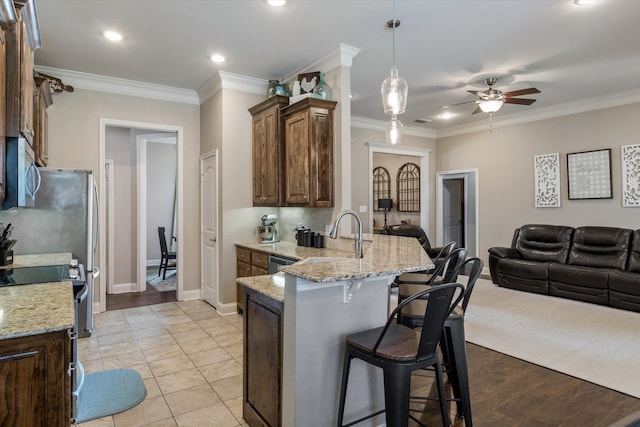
[{"x": 96, "y": 227}]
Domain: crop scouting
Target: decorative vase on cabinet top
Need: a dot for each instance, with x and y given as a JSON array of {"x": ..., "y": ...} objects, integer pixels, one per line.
[{"x": 322, "y": 89}]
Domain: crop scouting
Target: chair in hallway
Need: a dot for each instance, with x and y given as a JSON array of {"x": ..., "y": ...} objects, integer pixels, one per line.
[
  {"x": 168, "y": 259},
  {"x": 400, "y": 350}
]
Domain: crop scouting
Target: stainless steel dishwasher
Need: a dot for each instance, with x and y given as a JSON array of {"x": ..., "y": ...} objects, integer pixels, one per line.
[{"x": 276, "y": 261}]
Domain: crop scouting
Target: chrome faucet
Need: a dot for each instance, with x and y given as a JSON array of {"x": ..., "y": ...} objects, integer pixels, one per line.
[{"x": 357, "y": 237}]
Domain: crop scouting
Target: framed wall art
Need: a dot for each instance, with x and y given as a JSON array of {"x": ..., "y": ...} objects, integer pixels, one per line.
[
  {"x": 589, "y": 174},
  {"x": 630, "y": 175},
  {"x": 308, "y": 81},
  {"x": 547, "y": 180}
]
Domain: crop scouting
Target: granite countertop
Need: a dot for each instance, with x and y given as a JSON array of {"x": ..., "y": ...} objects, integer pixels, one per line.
[
  {"x": 271, "y": 285},
  {"x": 39, "y": 260},
  {"x": 383, "y": 255},
  {"x": 36, "y": 309}
]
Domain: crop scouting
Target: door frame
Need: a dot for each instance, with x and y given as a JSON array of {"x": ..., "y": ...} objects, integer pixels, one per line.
[
  {"x": 141, "y": 172},
  {"x": 470, "y": 212},
  {"x": 110, "y": 223},
  {"x": 423, "y": 154},
  {"x": 203, "y": 157},
  {"x": 152, "y": 127}
]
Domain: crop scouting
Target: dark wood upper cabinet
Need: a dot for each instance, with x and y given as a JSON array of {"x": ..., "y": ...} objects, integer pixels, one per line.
[
  {"x": 268, "y": 151},
  {"x": 41, "y": 101},
  {"x": 22, "y": 39},
  {"x": 309, "y": 143}
]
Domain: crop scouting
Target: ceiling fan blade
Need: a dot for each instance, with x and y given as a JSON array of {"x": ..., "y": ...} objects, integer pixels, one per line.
[
  {"x": 520, "y": 92},
  {"x": 460, "y": 103},
  {"x": 520, "y": 101},
  {"x": 477, "y": 110}
]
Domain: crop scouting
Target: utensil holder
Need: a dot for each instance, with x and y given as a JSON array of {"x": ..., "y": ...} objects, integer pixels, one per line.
[{"x": 6, "y": 257}]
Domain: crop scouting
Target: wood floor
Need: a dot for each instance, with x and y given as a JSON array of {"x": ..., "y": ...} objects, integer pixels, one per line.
[
  {"x": 506, "y": 391},
  {"x": 137, "y": 299}
]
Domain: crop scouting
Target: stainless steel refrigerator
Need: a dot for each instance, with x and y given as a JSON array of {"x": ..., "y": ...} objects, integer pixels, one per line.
[{"x": 64, "y": 219}]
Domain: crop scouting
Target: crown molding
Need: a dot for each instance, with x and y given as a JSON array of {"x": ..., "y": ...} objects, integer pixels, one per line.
[
  {"x": 341, "y": 56},
  {"x": 226, "y": 80},
  {"x": 380, "y": 126},
  {"x": 581, "y": 106},
  {"x": 121, "y": 86}
]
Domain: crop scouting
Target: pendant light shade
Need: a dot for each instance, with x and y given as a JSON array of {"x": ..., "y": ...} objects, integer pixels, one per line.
[
  {"x": 491, "y": 106},
  {"x": 394, "y": 91},
  {"x": 394, "y": 131}
]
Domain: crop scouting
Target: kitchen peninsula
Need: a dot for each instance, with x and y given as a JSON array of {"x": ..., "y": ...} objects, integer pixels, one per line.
[{"x": 305, "y": 311}]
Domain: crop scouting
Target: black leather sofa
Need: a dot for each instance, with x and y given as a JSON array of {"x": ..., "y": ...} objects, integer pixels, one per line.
[{"x": 600, "y": 265}]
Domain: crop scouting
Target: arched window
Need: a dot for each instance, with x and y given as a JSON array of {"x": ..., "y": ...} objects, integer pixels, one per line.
[
  {"x": 381, "y": 186},
  {"x": 408, "y": 181}
]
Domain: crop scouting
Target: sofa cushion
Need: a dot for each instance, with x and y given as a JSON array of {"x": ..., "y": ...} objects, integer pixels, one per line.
[
  {"x": 524, "y": 275},
  {"x": 633, "y": 264},
  {"x": 549, "y": 243},
  {"x": 605, "y": 247},
  {"x": 579, "y": 282},
  {"x": 624, "y": 290}
]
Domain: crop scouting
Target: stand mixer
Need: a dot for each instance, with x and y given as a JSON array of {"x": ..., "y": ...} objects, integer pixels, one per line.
[{"x": 267, "y": 231}]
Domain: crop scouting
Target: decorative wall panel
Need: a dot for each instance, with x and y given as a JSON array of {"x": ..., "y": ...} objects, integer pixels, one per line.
[
  {"x": 547, "y": 180},
  {"x": 630, "y": 175}
]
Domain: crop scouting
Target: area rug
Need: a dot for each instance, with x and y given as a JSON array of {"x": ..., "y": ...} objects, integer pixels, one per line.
[
  {"x": 160, "y": 285},
  {"x": 109, "y": 392},
  {"x": 594, "y": 343}
]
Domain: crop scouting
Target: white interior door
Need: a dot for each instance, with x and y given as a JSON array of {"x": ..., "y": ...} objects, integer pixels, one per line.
[{"x": 209, "y": 202}]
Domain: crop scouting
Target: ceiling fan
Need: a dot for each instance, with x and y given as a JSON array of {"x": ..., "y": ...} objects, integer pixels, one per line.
[{"x": 491, "y": 100}]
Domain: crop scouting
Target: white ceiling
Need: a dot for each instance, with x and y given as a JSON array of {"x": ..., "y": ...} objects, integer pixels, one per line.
[{"x": 444, "y": 47}]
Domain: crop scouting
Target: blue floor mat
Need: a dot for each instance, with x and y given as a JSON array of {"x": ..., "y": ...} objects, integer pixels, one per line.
[{"x": 109, "y": 392}]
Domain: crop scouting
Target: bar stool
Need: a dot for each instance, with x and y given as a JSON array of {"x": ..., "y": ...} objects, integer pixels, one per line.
[{"x": 399, "y": 350}]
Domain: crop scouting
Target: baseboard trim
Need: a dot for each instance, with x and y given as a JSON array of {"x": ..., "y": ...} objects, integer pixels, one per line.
[
  {"x": 191, "y": 295},
  {"x": 123, "y": 288},
  {"x": 227, "y": 309}
]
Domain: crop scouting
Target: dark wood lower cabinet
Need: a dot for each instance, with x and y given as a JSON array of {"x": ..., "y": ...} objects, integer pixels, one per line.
[
  {"x": 262, "y": 388},
  {"x": 35, "y": 389}
]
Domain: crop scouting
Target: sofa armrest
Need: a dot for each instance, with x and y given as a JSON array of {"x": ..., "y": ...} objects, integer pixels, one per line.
[{"x": 501, "y": 252}]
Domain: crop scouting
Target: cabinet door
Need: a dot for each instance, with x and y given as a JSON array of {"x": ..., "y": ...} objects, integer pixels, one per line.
[
  {"x": 243, "y": 269},
  {"x": 266, "y": 150},
  {"x": 297, "y": 159},
  {"x": 42, "y": 97},
  {"x": 35, "y": 389},
  {"x": 262, "y": 391},
  {"x": 321, "y": 158},
  {"x": 3, "y": 102},
  {"x": 27, "y": 85}
]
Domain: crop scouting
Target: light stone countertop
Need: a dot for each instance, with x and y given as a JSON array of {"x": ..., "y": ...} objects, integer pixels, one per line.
[
  {"x": 39, "y": 260},
  {"x": 36, "y": 309},
  {"x": 384, "y": 255},
  {"x": 271, "y": 285}
]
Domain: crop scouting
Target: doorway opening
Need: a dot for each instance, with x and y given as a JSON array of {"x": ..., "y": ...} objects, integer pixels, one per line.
[
  {"x": 457, "y": 209},
  {"x": 143, "y": 160}
]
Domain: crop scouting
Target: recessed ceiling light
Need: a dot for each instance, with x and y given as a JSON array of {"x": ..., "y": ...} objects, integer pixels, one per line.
[
  {"x": 584, "y": 2},
  {"x": 217, "y": 58},
  {"x": 447, "y": 116},
  {"x": 276, "y": 3},
  {"x": 113, "y": 36}
]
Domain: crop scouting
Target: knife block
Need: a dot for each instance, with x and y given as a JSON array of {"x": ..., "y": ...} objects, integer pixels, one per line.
[{"x": 6, "y": 257}]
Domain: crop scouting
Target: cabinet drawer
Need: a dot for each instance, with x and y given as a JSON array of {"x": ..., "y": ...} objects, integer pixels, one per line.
[
  {"x": 244, "y": 255},
  {"x": 260, "y": 259},
  {"x": 258, "y": 271},
  {"x": 243, "y": 269}
]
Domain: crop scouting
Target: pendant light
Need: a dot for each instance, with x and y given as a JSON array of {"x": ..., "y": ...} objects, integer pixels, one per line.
[
  {"x": 394, "y": 92},
  {"x": 394, "y": 89},
  {"x": 393, "y": 131}
]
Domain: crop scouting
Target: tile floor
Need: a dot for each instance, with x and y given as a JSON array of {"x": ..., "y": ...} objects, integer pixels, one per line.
[{"x": 189, "y": 356}]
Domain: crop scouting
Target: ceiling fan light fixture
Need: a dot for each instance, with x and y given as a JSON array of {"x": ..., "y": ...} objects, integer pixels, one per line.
[
  {"x": 393, "y": 131},
  {"x": 491, "y": 106}
]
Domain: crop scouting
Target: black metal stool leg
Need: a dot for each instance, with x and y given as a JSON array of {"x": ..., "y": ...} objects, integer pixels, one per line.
[
  {"x": 397, "y": 385},
  {"x": 454, "y": 328},
  {"x": 343, "y": 388}
]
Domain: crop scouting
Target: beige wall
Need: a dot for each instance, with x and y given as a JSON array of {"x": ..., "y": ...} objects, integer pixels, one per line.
[
  {"x": 161, "y": 181},
  {"x": 504, "y": 159},
  {"x": 361, "y": 174},
  {"x": 226, "y": 126},
  {"x": 74, "y": 127}
]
